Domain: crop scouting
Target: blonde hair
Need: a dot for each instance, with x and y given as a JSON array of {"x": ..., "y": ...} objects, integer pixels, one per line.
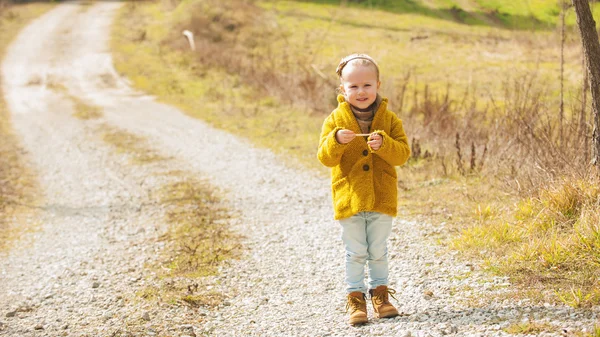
[{"x": 357, "y": 60}]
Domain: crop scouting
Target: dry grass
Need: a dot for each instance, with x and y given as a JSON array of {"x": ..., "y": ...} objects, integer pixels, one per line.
[
  {"x": 199, "y": 238},
  {"x": 549, "y": 242},
  {"x": 133, "y": 145},
  {"x": 143, "y": 45},
  {"x": 201, "y": 235},
  {"x": 82, "y": 110},
  {"x": 530, "y": 327},
  {"x": 18, "y": 187}
]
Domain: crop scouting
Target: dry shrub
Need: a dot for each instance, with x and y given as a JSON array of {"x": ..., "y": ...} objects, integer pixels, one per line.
[
  {"x": 239, "y": 36},
  {"x": 516, "y": 136},
  {"x": 4, "y": 7}
]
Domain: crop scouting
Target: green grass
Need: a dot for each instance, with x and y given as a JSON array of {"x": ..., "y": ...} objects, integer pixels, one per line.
[
  {"x": 549, "y": 242},
  {"x": 520, "y": 15}
]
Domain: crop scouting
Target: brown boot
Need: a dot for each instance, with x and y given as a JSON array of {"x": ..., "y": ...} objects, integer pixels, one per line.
[
  {"x": 357, "y": 304},
  {"x": 381, "y": 304}
]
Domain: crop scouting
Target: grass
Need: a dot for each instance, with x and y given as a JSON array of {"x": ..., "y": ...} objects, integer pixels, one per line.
[
  {"x": 549, "y": 242},
  {"x": 213, "y": 95},
  {"x": 530, "y": 327},
  {"x": 82, "y": 110},
  {"x": 199, "y": 238},
  {"x": 128, "y": 143},
  {"x": 276, "y": 86},
  {"x": 521, "y": 15},
  {"x": 18, "y": 187},
  {"x": 321, "y": 32},
  {"x": 198, "y": 241}
]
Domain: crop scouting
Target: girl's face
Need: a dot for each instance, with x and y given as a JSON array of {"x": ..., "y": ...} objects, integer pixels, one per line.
[{"x": 360, "y": 85}]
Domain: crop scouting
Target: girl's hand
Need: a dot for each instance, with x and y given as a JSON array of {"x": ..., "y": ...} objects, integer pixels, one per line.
[
  {"x": 344, "y": 136},
  {"x": 375, "y": 141}
]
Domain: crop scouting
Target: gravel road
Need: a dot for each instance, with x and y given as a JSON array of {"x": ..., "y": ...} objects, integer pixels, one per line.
[{"x": 79, "y": 273}]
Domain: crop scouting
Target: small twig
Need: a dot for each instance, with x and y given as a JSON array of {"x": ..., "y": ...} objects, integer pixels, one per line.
[{"x": 190, "y": 37}]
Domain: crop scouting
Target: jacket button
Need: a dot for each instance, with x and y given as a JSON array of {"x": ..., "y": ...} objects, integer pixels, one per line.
[
  {"x": 365, "y": 153},
  {"x": 366, "y": 167}
]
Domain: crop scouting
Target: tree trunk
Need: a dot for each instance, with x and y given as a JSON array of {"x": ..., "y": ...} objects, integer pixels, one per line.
[
  {"x": 591, "y": 49},
  {"x": 583, "y": 129},
  {"x": 561, "y": 112}
]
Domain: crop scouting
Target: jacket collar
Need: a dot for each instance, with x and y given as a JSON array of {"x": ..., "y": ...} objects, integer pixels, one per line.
[{"x": 347, "y": 117}]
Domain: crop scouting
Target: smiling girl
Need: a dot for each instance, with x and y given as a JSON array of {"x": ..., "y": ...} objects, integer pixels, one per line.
[{"x": 364, "y": 181}]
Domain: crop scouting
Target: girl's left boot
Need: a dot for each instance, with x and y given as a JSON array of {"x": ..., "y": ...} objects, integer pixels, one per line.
[{"x": 381, "y": 303}]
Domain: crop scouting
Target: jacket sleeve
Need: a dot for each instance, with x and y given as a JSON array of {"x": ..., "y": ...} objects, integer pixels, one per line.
[
  {"x": 330, "y": 151},
  {"x": 394, "y": 149}
]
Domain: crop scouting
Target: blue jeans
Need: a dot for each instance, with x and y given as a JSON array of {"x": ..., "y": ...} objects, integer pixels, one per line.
[{"x": 365, "y": 237}]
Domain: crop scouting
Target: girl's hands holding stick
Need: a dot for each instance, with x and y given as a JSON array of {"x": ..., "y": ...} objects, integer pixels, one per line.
[
  {"x": 375, "y": 141},
  {"x": 345, "y": 136}
]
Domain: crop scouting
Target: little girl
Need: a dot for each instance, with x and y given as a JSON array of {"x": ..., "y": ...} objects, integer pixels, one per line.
[{"x": 362, "y": 141}]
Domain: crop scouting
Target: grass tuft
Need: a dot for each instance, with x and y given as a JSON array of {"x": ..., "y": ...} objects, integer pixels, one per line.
[
  {"x": 200, "y": 233},
  {"x": 551, "y": 242},
  {"x": 125, "y": 142},
  {"x": 529, "y": 327},
  {"x": 82, "y": 110}
]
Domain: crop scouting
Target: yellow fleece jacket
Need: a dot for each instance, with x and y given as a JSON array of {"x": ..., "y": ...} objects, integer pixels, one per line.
[{"x": 363, "y": 180}]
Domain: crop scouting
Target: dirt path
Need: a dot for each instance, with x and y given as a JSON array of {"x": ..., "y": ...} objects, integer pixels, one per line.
[{"x": 81, "y": 271}]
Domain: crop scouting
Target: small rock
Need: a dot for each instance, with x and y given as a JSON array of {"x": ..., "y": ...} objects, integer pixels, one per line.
[
  {"x": 107, "y": 315},
  {"x": 39, "y": 327},
  {"x": 11, "y": 314},
  {"x": 406, "y": 333},
  {"x": 146, "y": 316},
  {"x": 188, "y": 329},
  {"x": 95, "y": 285}
]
